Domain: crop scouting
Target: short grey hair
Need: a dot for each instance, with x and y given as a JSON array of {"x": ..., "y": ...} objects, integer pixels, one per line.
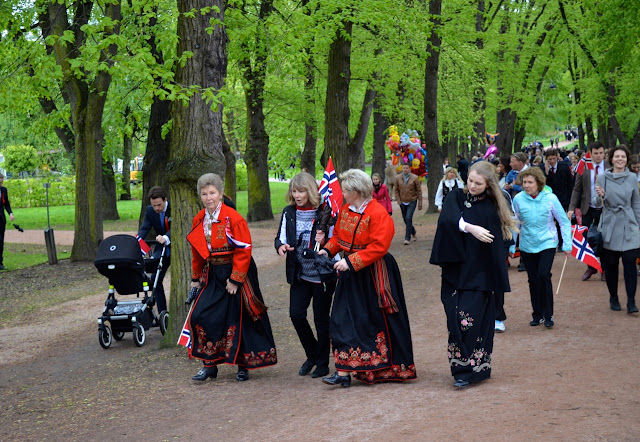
[
  {"x": 210, "y": 179},
  {"x": 355, "y": 180}
]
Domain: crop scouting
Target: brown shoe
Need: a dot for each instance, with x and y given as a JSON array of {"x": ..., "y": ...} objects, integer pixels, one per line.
[
  {"x": 602, "y": 277},
  {"x": 406, "y": 243},
  {"x": 589, "y": 273}
]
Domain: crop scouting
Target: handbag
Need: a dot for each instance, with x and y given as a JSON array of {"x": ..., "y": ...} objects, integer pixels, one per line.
[
  {"x": 322, "y": 263},
  {"x": 594, "y": 235}
]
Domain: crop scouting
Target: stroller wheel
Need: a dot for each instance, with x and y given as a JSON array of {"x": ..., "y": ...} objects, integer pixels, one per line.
[
  {"x": 118, "y": 335},
  {"x": 104, "y": 336},
  {"x": 164, "y": 321},
  {"x": 139, "y": 336}
]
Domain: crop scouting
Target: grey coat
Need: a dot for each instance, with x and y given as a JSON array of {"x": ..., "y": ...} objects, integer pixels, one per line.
[{"x": 620, "y": 218}]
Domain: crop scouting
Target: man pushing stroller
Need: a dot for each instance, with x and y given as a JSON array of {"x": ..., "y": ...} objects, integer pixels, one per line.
[{"x": 158, "y": 217}]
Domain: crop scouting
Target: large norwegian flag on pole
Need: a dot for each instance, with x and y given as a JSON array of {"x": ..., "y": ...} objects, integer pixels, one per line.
[
  {"x": 585, "y": 161},
  {"x": 330, "y": 189},
  {"x": 580, "y": 248}
]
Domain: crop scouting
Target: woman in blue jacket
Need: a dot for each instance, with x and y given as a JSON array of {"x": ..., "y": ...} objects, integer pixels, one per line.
[{"x": 537, "y": 209}]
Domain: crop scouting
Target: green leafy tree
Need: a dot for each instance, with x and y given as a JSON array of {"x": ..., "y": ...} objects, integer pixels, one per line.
[{"x": 20, "y": 158}]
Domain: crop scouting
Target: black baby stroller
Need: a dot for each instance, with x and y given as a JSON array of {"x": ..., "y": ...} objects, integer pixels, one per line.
[{"x": 120, "y": 259}]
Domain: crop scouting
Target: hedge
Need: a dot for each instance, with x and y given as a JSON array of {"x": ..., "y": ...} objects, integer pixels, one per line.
[{"x": 30, "y": 192}]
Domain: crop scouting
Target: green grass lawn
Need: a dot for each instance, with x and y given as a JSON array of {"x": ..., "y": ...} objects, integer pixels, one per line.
[
  {"x": 20, "y": 256},
  {"x": 62, "y": 217}
]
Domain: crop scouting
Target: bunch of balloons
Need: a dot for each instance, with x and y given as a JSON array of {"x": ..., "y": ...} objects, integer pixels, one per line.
[{"x": 407, "y": 149}]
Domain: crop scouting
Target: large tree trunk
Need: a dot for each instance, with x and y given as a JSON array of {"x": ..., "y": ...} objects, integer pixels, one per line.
[
  {"x": 257, "y": 150},
  {"x": 337, "y": 113},
  {"x": 635, "y": 146},
  {"x": 479, "y": 99},
  {"x": 196, "y": 139},
  {"x": 355, "y": 148},
  {"x": 430, "y": 137},
  {"x": 614, "y": 127},
  {"x": 157, "y": 148},
  {"x": 86, "y": 101},
  {"x": 109, "y": 197}
]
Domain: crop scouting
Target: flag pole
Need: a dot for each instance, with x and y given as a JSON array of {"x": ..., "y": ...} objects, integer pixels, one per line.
[{"x": 573, "y": 232}]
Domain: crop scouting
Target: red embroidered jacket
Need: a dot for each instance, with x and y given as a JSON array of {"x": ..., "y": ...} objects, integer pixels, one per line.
[
  {"x": 368, "y": 235},
  {"x": 219, "y": 243}
]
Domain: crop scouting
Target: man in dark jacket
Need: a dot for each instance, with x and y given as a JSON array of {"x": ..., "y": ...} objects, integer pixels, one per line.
[
  {"x": 158, "y": 217},
  {"x": 558, "y": 177},
  {"x": 4, "y": 205},
  {"x": 463, "y": 168}
]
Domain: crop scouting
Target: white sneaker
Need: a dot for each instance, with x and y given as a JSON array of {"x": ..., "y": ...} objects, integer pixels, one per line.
[{"x": 499, "y": 326}]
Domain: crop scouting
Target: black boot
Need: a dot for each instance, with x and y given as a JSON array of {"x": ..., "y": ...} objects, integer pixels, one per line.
[
  {"x": 631, "y": 306},
  {"x": 614, "y": 303},
  {"x": 243, "y": 374},
  {"x": 205, "y": 373}
]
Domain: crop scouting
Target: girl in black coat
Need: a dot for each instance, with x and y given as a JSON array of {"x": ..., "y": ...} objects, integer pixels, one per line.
[
  {"x": 306, "y": 221},
  {"x": 469, "y": 248}
]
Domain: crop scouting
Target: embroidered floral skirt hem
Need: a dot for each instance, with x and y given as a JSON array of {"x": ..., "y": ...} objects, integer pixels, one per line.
[
  {"x": 366, "y": 338},
  {"x": 223, "y": 331},
  {"x": 471, "y": 326}
]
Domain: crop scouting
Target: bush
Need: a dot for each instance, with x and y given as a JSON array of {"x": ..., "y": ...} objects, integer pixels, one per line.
[
  {"x": 30, "y": 192},
  {"x": 241, "y": 176}
]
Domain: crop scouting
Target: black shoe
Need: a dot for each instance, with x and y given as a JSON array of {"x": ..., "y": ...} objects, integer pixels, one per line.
[
  {"x": 243, "y": 374},
  {"x": 306, "y": 367},
  {"x": 460, "y": 383},
  {"x": 336, "y": 379},
  {"x": 521, "y": 267},
  {"x": 615, "y": 304},
  {"x": 319, "y": 372},
  {"x": 536, "y": 322},
  {"x": 205, "y": 373},
  {"x": 548, "y": 323},
  {"x": 631, "y": 307}
]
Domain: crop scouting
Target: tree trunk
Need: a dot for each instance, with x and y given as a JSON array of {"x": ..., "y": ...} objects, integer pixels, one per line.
[
  {"x": 157, "y": 148},
  {"x": 109, "y": 197},
  {"x": 337, "y": 113},
  {"x": 479, "y": 99},
  {"x": 230, "y": 185},
  {"x": 613, "y": 121},
  {"x": 380, "y": 127},
  {"x": 308, "y": 158},
  {"x": 430, "y": 136},
  {"x": 635, "y": 146},
  {"x": 196, "y": 138},
  {"x": 127, "y": 146},
  {"x": 589, "y": 124},
  {"x": 519, "y": 138},
  {"x": 257, "y": 150},
  {"x": 355, "y": 148}
]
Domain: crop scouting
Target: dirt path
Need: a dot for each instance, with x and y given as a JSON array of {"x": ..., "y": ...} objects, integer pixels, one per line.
[{"x": 577, "y": 381}]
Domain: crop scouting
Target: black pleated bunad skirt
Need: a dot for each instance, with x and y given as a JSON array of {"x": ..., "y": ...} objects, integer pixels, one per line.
[
  {"x": 231, "y": 329},
  {"x": 471, "y": 325},
  {"x": 369, "y": 326}
]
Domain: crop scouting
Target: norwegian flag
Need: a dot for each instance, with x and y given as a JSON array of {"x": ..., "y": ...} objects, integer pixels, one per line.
[
  {"x": 580, "y": 248},
  {"x": 144, "y": 247},
  {"x": 585, "y": 161},
  {"x": 235, "y": 243},
  {"x": 185, "y": 335},
  {"x": 330, "y": 190}
]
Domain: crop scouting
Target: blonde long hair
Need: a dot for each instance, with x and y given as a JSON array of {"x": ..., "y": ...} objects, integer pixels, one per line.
[
  {"x": 488, "y": 171},
  {"x": 304, "y": 182}
]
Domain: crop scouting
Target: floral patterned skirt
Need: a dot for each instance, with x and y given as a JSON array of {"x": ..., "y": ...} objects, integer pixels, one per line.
[
  {"x": 366, "y": 338},
  {"x": 222, "y": 329},
  {"x": 471, "y": 324}
]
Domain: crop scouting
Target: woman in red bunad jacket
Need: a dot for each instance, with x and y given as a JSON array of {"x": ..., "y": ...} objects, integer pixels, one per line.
[
  {"x": 228, "y": 322},
  {"x": 380, "y": 193},
  {"x": 369, "y": 325}
]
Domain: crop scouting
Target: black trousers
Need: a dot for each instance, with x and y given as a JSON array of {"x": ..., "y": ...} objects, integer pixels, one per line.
[
  {"x": 499, "y": 300},
  {"x": 610, "y": 260},
  {"x": 3, "y": 225},
  {"x": 301, "y": 294},
  {"x": 592, "y": 216},
  {"x": 161, "y": 299},
  {"x": 540, "y": 289}
]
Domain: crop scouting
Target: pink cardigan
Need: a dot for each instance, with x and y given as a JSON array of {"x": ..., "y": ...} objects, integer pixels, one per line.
[{"x": 383, "y": 197}]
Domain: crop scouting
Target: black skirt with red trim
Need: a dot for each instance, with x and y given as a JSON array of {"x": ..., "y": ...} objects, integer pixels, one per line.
[
  {"x": 366, "y": 338},
  {"x": 222, "y": 329}
]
